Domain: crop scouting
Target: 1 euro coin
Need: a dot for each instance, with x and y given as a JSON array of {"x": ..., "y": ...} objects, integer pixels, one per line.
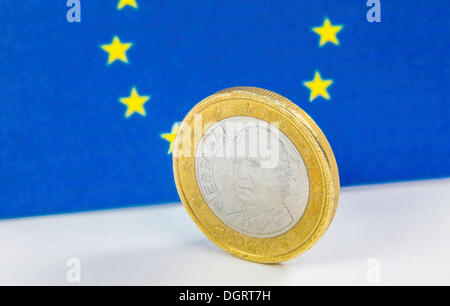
[{"x": 256, "y": 174}]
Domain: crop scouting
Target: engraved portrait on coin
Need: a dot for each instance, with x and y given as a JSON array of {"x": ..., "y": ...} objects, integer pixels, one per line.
[{"x": 252, "y": 176}]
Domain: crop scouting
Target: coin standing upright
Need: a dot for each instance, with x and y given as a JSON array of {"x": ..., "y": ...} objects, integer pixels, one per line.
[{"x": 256, "y": 174}]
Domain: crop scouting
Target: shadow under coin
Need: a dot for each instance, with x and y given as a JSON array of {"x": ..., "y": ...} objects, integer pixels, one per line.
[{"x": 196, "y": 263}]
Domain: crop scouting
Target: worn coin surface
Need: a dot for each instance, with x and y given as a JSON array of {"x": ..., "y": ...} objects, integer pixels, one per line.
[{"x": 256, "y": 174}]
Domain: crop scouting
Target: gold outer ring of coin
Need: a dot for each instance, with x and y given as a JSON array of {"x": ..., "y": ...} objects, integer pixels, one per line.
[{"x": 309, "y": 141}]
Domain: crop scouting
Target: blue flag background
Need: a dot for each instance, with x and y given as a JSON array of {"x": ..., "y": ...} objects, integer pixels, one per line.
[{"x": 66, "y": 144}]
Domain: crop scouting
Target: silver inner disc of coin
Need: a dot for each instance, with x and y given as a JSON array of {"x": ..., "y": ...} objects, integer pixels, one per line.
[{"x": 252, "y": 176}]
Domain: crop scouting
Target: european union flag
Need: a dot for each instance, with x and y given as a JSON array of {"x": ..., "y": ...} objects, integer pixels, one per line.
[{"x": 91, "y": 90}]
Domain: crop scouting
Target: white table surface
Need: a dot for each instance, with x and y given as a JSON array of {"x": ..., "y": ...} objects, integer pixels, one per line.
[{"x": 382, "y": 234}]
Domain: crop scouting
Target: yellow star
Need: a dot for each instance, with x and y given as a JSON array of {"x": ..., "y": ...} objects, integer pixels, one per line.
[
  {"x": 170, "y": 137},
  {"x": 328, "y": 32},
  {"x": 117, "y": 50},
  {"x": 134, "y": 103},
  {"x": 123, "y": 3},
  {"x": 318, "y": 87}
]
